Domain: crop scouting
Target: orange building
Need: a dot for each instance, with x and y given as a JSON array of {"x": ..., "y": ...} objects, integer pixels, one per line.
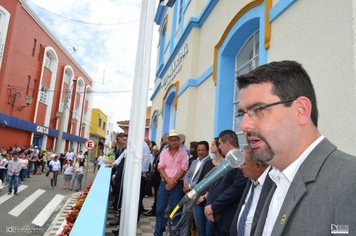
[{"x": 44, "y": 93}]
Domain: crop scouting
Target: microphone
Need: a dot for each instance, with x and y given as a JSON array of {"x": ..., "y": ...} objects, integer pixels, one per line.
[{"x": 233, "y": 159}]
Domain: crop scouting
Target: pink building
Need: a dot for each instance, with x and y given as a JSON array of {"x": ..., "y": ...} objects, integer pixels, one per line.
[{"x": 44, "y": 93}]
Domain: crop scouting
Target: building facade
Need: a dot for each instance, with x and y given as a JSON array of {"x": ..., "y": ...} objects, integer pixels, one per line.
[
  {"x": 44, "y": 93},
  {"x": 204, "y": 45},
  {"x": 98, "y": 131}
]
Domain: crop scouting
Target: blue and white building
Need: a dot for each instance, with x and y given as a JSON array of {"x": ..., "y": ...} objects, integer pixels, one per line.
[{"x": 205, "y": 44}]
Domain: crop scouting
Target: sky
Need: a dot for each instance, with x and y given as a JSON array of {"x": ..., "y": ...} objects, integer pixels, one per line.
[{"x": 102, "y": 37}]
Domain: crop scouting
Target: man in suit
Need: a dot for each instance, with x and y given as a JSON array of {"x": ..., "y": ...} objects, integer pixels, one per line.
[
  {"x": 198, "y": 169},
  {"x": 315, "y": 182},
  {"x": 254, "y": 196},
  {"x": 225, "y": 193}
]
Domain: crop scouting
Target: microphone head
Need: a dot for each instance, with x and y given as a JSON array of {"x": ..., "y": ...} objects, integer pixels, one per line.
[{"x": 235, "y": 157}]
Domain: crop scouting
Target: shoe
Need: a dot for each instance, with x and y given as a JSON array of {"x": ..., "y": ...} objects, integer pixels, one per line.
[
  {"x": 9, "y": 193},
  {"x": 149, "y": 213},
  {"x": 112, "y": 223},
  {"x": 145, "y": 210},
  {"x": 16, "y": 194}
]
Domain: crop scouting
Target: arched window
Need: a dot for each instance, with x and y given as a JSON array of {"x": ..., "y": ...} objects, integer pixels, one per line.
[
  {"x": 246, "y": 60},
  {"x": 68, "y": 74},
  {"x": 49, "y": 61}
]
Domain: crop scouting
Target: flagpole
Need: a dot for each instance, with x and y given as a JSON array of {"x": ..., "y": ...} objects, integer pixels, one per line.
[{"x": 133, "y": 162}]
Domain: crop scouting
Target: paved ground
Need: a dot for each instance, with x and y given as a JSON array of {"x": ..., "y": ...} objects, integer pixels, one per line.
[{"x": 146, "y": 224}]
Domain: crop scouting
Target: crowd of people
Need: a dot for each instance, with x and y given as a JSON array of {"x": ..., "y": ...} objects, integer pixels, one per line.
[
  {"x": 293, "y": 181},
  {"x": 18, "y": 164}
]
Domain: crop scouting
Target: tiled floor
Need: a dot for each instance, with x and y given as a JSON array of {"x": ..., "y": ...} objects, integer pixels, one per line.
[{"x": 146, "y": 224}]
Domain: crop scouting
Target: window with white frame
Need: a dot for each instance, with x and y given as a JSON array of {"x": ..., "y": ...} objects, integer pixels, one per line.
[
  {"x": 180, "y": 15},
  {"x": 49, "y": 60},
  {"x": 4, "y": 23},
  {"x": 67, "y": 75},
  {"x": 246, "y": 60},
  {"x": 43, "y": 95}
]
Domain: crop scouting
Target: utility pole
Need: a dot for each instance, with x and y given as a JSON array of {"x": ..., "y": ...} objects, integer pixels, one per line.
[{"x": 59, "y": 140}]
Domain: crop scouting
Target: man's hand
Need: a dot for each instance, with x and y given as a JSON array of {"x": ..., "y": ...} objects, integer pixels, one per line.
[
  {"x": 209, "y": 213},
  {"x": 186, "y": 188},
  {"x": 170, "y": 184}
]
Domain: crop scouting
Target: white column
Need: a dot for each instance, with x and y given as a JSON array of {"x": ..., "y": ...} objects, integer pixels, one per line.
[{"x": 132, "y": 176}]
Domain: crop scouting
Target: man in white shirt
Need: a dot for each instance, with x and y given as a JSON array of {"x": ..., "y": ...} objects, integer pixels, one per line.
[
  {"x": 197, "y": 170},
  {"x": 70, "y": 155},
  {"x": 315, "y": 182},
  {"x": 13, "y": 171},
  {"x": 254, "y": 196}
]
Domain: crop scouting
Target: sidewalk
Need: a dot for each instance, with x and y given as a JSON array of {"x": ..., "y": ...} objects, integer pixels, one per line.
[{"x": 146, "y": 225}]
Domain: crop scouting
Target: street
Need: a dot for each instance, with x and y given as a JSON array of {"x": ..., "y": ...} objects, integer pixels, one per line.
[{"x": 33, "y": 210}]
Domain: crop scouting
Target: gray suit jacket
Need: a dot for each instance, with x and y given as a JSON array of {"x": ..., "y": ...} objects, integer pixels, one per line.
[
  {"x": 188, "y": 177},
  {"x": 321, "y": 198}
]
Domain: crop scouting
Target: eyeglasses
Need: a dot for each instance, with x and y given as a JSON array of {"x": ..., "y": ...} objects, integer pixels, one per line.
[{"x": 256, "y": 111}]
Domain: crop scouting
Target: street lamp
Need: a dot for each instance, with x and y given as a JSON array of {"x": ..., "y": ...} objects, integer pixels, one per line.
[{"x": 63, "y": 116}]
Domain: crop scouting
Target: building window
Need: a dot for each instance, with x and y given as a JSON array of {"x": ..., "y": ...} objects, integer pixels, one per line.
[
  {"x": 67, "y": 75},
  {"x": 43, "y": 95},
  {"x": 104, "y": 125},
  {"x": 100, "y": 121},
  {"x": 179, "y": 17},
  {"x": 162, "y": 44},
  {"x": 246, "y": 60},
  {"x": 49, "y": 61},
  {"x": 4, "y": 23}
]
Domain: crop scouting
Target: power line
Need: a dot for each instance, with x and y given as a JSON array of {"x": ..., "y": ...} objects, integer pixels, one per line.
[
  {"x": 65, "y": 91},
  {"x": 81, "y": 21}
]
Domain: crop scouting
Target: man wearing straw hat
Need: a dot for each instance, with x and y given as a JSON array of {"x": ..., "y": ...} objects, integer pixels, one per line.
[{"x": 172, "y": 166}]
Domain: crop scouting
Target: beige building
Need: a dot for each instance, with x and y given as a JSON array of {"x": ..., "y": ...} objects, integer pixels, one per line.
[{"x": 204, "y": 45}]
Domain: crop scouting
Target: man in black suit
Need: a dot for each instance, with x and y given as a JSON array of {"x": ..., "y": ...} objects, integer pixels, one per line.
[
  {"x": 254, "y": 196},
  {"x": 225, "y": 194}
]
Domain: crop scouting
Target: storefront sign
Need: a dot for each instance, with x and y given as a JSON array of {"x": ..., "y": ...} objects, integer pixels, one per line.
[
  {"x": 175, "y": 67},
  {"x": 42, "y": 129}
]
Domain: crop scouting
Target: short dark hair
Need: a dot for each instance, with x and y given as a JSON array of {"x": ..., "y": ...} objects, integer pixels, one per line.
[
  {"x": 289, "y": 80},
  {"x": 229, "y": 136},
  {"x": 120, "y": 135},
  {"x": 205, "y": 143}
]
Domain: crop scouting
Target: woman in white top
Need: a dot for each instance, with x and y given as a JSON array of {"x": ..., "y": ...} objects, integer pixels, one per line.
[
  {"x": 54, "y": 167},
  {"x": 100, "y": 160},
  {"x": 75, "y": 173},
  {"x": 68, "y": 170},
  {"x": 24, "y": 165},
  {"x": 80, "y": 174}
]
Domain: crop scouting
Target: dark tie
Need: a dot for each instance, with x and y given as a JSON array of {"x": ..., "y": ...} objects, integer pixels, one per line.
[{"x": 242, "y": 221}]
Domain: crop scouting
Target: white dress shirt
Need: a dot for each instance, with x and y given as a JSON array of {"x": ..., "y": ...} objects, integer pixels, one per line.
[
  {"x": 260, "y": 181},
  {"x": 145, "y": 159},
  {"x": 197, "y": 167},
  {"x": 283, "y": 180}
]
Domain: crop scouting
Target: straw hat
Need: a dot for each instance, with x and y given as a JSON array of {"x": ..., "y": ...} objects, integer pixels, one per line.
[{"x": 174, "y": 133}]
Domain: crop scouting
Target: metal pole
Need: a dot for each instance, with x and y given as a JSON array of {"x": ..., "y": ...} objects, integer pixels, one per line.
[{"x": 133, "y": 162}]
